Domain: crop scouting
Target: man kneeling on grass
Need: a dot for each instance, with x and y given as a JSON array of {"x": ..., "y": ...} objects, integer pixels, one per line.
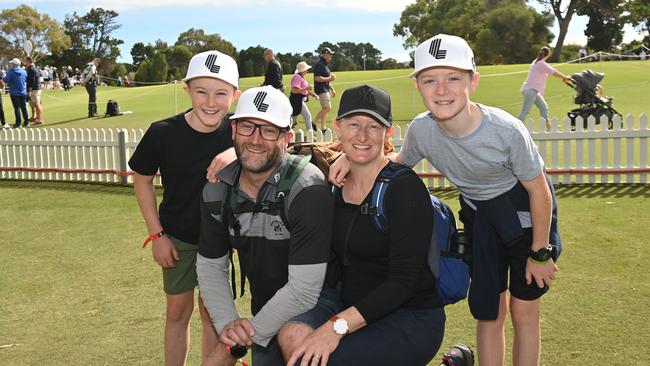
[{"x": 283, "y": 243}]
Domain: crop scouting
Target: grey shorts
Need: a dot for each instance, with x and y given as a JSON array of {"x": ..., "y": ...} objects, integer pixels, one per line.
[
  {"x": 325, "y": 100},
  {"x": 35, "y": 98}
]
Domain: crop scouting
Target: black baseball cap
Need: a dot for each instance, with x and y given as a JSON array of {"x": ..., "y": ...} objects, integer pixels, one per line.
[
  {"x": 326, "y": 50},
  {"x": 369, "y": 100}
]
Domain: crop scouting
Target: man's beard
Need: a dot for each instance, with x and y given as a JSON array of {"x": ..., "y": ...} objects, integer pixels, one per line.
[{"x": 271, "y": 162}]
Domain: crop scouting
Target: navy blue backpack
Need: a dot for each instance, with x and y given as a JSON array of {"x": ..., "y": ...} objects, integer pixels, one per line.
[{"x": 447, "y": 259}]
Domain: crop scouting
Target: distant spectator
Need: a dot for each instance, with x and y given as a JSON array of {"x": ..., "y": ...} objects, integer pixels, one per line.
[
  {"x": 582, "y": 54},
  {"x": 2, "y": 111},
  {"x": 45, "y": 73},
  {"x": 56, "y": 80},
  {"x": 300, "y": 91},
  {"x": 127, "y": 83},
  {"x": 642, "y": 55},
  {"x": 273, "y": 74},
  {"x": 89, "y": 80},
  {"x": 16, "y": 79},
  {"x": 34, "y": 91},
  {"x": 533, "y": 87},
  {"x": 322, "y": 87},
  {"x": 65, "y": 78}
]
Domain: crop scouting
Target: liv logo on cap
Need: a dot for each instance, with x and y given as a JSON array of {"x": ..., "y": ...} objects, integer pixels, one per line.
[
  {"x": 211, "y": 63},
  {"x": 259, "y": 102},
  {"x": 435, "y": 51}
]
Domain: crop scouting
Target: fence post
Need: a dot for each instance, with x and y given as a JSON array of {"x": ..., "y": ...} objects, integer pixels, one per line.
[{"x": 122, "y": 153}]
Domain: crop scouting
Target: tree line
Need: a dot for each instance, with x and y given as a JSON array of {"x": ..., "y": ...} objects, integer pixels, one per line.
[{"x": 499, "y": 31}]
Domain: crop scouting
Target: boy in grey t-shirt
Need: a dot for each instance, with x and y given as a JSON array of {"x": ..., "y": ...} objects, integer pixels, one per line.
[{"x": 507, "y": 201}]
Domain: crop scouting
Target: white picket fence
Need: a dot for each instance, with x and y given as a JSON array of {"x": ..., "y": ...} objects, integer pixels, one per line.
[{"x": 592, "y": 155}]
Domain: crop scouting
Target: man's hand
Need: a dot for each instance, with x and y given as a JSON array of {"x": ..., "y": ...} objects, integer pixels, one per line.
[
  {"x": 219, "y": 162},
  {"x": 332, "y": 77},
  {"x": 543, "y": 273},
  {"x": 239, "y": 331},
  {"x": 333, "y": 93},
  {"x": 164, "y": 252},
  {"x": 338, "y": 170}
]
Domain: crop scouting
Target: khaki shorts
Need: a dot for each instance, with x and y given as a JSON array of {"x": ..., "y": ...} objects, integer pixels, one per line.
[
  {"x": 182, "y": 278},
  {"x": 35, "y": 98},
  {"x": 325, "y": 100}
]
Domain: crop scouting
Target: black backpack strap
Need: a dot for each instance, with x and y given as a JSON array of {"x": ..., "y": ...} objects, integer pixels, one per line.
[{"x": 230, "y": 220}]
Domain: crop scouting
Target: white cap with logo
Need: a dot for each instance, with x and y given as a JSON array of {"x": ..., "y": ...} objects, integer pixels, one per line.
[
  {"x": 15, "y": 62},
  {"x": 265, "y": 103},
  {"x": 444, "y": 50},
  {"x": 213, "y": 64}
]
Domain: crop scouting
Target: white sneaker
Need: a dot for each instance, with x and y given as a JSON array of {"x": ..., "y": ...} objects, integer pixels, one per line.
[{"x": 6, "y": 126}]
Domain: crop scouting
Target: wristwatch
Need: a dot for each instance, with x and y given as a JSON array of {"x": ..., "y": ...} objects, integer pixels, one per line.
[
  {"x": 340, "y": 325},
  {"x": 542, "y": 255}
]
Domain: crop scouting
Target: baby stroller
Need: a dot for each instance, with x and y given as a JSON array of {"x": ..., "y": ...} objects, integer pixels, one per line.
[{"x": 589, "y": 96}]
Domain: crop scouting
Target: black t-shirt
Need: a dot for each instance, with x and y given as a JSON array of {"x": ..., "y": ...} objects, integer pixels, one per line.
[
  {"x": 182, "y": 155},
  {"x": 321, "y": 69},
  {"x": 33, "y": 78},
  {"x": 387, "y": 271}
]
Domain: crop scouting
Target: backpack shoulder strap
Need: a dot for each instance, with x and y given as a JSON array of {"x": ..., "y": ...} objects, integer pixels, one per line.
[
  {"x": 288, "y": 176},
  {"x": 376, "y": 205},
  {"x": 229, "y": 220}
]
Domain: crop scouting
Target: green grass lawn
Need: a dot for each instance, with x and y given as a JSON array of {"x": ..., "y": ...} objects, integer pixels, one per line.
[
  {"x": 78, "y": 289},
  {"x": 627, "y": 81}
]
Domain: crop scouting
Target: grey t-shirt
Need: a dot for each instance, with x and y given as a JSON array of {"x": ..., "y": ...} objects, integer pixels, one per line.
[{"x": 483, "y": 164}]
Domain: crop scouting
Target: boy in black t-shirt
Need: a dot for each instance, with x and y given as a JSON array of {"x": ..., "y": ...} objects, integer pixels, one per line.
[{"x": 181, "y": 148}]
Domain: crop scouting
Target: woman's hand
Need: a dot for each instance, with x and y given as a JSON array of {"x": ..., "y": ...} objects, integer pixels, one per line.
[{"x": 317, "y": 347}]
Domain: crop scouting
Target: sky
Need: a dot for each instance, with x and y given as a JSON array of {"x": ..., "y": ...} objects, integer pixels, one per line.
[{"x": 285, "y": 26}]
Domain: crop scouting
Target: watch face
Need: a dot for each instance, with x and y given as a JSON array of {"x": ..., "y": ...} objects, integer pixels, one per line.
[{"x": 341, "y": 326}]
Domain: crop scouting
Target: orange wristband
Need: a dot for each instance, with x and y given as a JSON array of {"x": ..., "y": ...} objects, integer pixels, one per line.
[{"x": 153, "y": 237}]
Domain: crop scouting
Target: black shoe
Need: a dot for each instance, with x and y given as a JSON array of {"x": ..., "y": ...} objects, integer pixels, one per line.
[
  {"x": 458, "y": 355},
  {"x": 313, "y": 127}
]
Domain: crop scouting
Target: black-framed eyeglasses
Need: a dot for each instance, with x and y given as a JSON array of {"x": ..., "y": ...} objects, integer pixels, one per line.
[{"x": 268, "y": 133}]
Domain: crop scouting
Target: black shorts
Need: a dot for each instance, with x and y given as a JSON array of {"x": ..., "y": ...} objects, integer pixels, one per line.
[{"x": 497, "y": 267}]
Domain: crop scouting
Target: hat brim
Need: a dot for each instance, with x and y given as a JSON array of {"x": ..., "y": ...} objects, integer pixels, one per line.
[
  {"x": 211, "y": 76},
  {"x": 257, "y": 116},
  {"x": 298, "y": 71},
  {"x": 373, "y": 114},
  {"x": 442, "y": 64}
]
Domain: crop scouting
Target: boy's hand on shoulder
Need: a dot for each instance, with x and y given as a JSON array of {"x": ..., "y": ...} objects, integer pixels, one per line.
[{"x": 219, "y": 162}]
